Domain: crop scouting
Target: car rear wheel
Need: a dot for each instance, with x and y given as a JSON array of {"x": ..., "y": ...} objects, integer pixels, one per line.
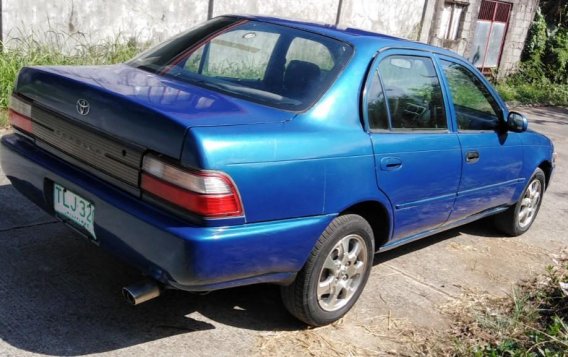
[
  {"x": 334, "y": 275},
  {"x": 519, "y": 218}
]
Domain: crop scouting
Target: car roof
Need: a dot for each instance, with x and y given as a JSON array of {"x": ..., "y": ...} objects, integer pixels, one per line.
[{"x": 352, "y": 35}]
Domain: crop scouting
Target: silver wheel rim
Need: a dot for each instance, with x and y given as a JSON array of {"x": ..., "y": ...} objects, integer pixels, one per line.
[
  {"x": 529, "y": 203},
  {"x": 342, "y": 273}
]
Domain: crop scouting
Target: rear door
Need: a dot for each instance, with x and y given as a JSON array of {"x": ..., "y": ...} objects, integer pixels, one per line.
[
  {"x": 418, "y": 157},
  {"x": 492, "y": 157}
]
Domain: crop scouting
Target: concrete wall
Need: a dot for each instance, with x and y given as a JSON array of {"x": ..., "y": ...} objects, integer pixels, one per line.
[
  {"x": 153, "y": 21},
  {"x": 461, "y": 45},
  {"x": 521, "y": 19},
  {"x": 393, "y": 17},
  {"x": 522, "y": 14},
  {"x": 101, "y": 20},
  {"x": 311, "y": 10}
]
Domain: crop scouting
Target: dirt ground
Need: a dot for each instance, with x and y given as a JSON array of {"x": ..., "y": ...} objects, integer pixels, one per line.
[{"x": 60, "y": 295}]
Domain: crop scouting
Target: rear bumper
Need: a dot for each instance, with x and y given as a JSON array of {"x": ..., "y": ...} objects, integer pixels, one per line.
[{"x": 162, "y": 246}]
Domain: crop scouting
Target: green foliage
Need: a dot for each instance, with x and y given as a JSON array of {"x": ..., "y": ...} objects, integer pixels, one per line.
[
  {"x": 542, "y": 77},
  {"x": 556, "y": 56},
  {"x": 529, "y": 93},
  {"x": 537, "y": 37}
]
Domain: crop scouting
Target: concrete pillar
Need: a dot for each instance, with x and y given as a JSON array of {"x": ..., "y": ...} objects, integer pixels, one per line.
[
  {"x": 339, "y": 10},
  {"x": 426, "y": 21},
  {"x": 210, "y": 8}
]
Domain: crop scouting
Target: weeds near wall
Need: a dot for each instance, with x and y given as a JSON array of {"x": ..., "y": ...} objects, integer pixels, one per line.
[
  {"x": 518, "y": 93},
  {"x": 542, "y": 77}
]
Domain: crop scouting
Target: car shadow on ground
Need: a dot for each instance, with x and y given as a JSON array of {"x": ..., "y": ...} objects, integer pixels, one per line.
[
  {"x": 61, "y": 295},
  {"x": 546, "y": 115},
  {"x": 74, "y": 307},
  {"x": 481, "y": 228}
]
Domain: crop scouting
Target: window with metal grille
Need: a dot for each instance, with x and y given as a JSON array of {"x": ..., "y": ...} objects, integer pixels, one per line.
[{"x": 490, "y": 31}]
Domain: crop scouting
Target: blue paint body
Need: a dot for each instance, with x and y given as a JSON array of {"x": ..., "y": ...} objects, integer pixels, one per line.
[{"x": 295, "y": 171}]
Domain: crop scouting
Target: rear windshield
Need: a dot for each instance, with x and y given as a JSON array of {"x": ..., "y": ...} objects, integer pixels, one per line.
[{"x": 275, "y": 65}]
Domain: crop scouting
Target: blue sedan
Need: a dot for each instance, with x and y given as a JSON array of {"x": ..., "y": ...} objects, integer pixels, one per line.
[{"x": 260, "y": 150}]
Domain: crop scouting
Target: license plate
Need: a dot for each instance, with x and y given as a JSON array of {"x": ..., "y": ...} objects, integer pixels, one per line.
[{"x": 75, "y": 208}]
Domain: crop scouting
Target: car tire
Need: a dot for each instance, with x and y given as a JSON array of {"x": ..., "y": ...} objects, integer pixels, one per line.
[
  {"x": 335, "y": 273},
  {"x": 518, "y": 218}
]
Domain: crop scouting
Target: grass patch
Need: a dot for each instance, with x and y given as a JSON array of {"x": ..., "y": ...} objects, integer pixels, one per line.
[
  {"x": 60, "y": 49},
  {"x": 534, "y": 94},
  {"x": 531, "y": 321}
]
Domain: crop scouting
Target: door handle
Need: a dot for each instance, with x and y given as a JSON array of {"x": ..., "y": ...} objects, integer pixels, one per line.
[
  {"x": 390, "y": 163},
  {"x": 472, "y": 157}
]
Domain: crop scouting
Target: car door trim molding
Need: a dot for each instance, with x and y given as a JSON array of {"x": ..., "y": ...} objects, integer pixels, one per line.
[
  {"x": 488, "y": 187},
  {"x": 413, "y": 204}
]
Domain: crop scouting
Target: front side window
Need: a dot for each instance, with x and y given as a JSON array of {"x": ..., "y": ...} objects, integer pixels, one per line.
[
  {"x": 413, "y": 93},
  {"x": 475, "y": 107},
  {"x": 271, "y": 64}
]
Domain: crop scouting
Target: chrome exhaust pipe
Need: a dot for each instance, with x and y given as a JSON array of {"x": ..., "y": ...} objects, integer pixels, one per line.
[{"x": 143, "y": 291}]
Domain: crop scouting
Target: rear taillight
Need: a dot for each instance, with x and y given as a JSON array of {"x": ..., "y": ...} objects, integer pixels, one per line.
[
  {"x": 19, "y": 114},
  {"x": 205, "y": 193}
]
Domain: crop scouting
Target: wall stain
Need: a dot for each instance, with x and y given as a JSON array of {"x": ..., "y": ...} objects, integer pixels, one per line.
[{"x": 72, "y": 19}]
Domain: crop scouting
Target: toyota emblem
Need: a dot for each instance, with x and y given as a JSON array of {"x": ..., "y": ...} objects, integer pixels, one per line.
[{"x": 83, "y": 107}]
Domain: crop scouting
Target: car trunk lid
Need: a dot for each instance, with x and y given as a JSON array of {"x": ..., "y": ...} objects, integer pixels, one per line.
[{"x": 135, "y": 106}]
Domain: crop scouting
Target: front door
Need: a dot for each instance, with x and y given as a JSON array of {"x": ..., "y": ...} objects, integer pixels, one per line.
[
  {"x": 492, "y": 157},
  {"x": 417, "y": 157}
]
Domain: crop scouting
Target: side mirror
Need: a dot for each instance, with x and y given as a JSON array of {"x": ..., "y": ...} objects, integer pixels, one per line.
[{"x": 517, "y": 122}]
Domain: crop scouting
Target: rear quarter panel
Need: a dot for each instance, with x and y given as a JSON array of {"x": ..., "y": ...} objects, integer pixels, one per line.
[
  {"x": 289, "y": 170},
  {"x": 319, "y": 162}
]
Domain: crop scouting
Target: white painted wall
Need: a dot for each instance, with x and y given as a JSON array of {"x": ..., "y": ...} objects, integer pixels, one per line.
[
  {"x": 99, "y": 20},
  {"x": 93, "y": 21},
  {"x": 324, "y": 11},
  {"x": 399, "y": 18}
]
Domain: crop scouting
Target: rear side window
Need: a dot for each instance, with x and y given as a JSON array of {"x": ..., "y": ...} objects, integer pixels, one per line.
[
  {"x": 413, "y": 94},
  {"x": 475, "y": 107}
]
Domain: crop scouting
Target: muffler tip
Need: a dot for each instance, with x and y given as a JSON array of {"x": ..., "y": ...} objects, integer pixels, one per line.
[{"x": 141, "y": 292}]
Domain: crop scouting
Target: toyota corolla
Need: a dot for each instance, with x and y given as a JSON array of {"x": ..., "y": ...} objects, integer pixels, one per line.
[{"x": 259, "y": 150}]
